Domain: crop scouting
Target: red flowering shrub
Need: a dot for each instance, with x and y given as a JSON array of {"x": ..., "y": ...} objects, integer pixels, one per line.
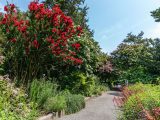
[{"x": 38, "y": 38}]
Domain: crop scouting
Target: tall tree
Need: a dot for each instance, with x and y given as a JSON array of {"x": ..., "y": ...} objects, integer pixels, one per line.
[
  {"x": 133, "y": 57},
  {"x": 90, "y": 48},
  {"x": 131, "y": 51}
]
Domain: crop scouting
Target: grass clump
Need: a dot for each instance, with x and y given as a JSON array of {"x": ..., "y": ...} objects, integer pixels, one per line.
[
  {"x": 74, "y": 103},
  {"x": 40, "y": 91}
]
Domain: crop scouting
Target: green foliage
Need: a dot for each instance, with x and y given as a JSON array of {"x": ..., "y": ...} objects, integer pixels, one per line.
[
  {"x": 40, "y": 91},
  {"x": 55, "y": 104},
  {"x": 74, "y": 102},
  {"x": 14, "y": 104},
  {"x": 131, "y": 52},
  {"x": 1, "y": 69},
  {"x": 91, "y": 54},
  {"x": 99, "y": 89},
  {"x": 134, "y": 75},
  {"x": 79, "y": 83},
  {"x": 148, "y": 95},
  {"x": 155, "y": 14}
]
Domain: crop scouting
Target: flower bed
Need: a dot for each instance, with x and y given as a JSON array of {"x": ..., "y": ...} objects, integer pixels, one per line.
[{"x": 140, "y": 102}]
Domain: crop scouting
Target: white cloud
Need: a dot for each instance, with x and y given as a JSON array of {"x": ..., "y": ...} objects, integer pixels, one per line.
[{"x": 154, "y": 32}]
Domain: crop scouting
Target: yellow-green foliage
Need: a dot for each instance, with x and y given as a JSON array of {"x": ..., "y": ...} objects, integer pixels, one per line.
[
  {"x": 148, "y": 95},
  {"x": 14, "y": 104}
]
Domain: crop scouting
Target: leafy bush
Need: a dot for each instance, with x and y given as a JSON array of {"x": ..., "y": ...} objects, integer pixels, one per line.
[
  {"x": 55, "y": 104},
  {"x": 14, "y": 104},
  {"x": 74, "y": 103},
  {"x": 99, "y": 89},
  {"x": 74, "y": 82},
  {"x": 41, "y": 90},
  {"x": 147, "y": 95},
  {"x": 79, "y": 83}
]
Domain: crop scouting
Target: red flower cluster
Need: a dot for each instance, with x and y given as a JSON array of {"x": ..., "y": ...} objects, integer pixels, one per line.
[
  {"x": 75, "y": 60},
  {"x": 43, "y": 27},
  {"x": 76, "y": 46},
  {"x": 11, "y": 8},
  {"x": 11, "y": 18}
]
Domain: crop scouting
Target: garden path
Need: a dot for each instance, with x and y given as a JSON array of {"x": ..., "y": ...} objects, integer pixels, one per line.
[{"x": 100, "y": 108}]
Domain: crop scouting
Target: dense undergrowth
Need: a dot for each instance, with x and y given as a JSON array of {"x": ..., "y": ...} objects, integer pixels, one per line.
[
  {"x": 43, "y": 97},
  {"x": 50, "y": 99}
]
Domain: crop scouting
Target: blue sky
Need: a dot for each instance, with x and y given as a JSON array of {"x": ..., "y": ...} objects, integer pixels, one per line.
[{"x": 113, "y": 19}]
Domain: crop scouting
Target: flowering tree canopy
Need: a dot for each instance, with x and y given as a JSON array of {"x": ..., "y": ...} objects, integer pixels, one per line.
[
  {"x": 42, "y": 28},
  {"x": 40, "y": 33}
]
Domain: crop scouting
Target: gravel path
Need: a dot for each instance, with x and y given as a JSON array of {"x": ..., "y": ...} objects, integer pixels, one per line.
[{"x": 100, "y": 108}]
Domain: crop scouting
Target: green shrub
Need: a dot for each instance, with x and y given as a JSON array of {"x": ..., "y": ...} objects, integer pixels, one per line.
[
  {"x": 79, "y": 83},
  {"x": 99, "y": 89},
  {"x": 89, "y": 86},
  {"x": 76, "y": 82},
  {"x": 55, "y": 104},
  {"x": 41, "y": 90},
  {"x": 74, "y": 103},
  {"x": 14, "y": 104}
]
